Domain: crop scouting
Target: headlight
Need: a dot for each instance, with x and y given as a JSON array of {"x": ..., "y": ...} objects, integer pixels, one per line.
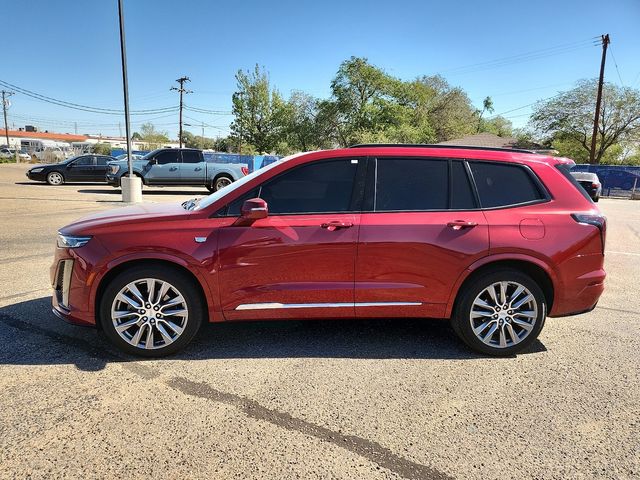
[
  {"x": 36, "y": 170},
  {"x": 69, "y": 241},
  {"x": 114, "y": 168}
]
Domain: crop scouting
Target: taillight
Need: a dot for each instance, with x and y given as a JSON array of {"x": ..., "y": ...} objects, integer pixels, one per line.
[
  {"x": 599, "y": 221},
  {"x": 595, "y": 185},
  {"x": 245, "y": 170}
]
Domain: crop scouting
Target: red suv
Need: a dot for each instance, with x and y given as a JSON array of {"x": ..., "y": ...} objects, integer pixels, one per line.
[{"x": 494, "y": 240}]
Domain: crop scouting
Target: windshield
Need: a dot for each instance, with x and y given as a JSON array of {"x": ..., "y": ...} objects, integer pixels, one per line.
[{"x": 206, "y": 201}]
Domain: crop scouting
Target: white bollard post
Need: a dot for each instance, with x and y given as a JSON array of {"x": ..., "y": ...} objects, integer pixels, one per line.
[{"x": 131, "y": 189}]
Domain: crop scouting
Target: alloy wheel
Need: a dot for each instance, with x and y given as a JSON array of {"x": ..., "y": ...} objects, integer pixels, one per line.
[
  {"x": 222, "y": 182},
  {"x": 503, "y": 314},
  {"x": 149, "y": 313},
  {"x": 55, "y": 178}
]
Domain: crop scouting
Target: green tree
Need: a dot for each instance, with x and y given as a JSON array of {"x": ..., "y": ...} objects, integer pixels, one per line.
[
  {"x": 152, "y": 137},
  {"x": 567, "y": 119},
  {"x": 259, "y": 111},
  {"x": 102, "y": 149},
  {"x": 487, "y": 106}
]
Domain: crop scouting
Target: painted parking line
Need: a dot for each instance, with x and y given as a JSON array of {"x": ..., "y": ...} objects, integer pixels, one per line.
[{"x": 623, "y": 253}]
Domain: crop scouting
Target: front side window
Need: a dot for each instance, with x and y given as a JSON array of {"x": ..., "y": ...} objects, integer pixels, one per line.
[
  {"x": 83, "y": 161},
  {"x": 166, "y": 157},
  {"x": 501, "y": 185},
  {"x": 318, "y": 187},
  {"x": 411, "y": 184}
]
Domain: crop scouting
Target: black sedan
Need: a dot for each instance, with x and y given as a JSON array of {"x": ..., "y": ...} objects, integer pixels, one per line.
[{"x": 82, "y": 168}]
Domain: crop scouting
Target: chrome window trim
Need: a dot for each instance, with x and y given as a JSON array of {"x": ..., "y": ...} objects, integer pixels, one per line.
[{"x": 276, "y": 305}]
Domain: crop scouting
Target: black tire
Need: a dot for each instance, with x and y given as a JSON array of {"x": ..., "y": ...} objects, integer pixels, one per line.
[
  {"x": 596, "y": 199},
  {"x": 461, "y": 322},
  {"x": 53, "y": 182},
  {"x": 216, "y": 184},
  {"x": 184, "y": 285}
]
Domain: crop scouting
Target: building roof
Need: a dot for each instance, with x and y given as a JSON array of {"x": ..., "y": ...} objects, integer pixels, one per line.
[
  {"x": 494, "y": 141},
  {"x": 61, "y": 137}
]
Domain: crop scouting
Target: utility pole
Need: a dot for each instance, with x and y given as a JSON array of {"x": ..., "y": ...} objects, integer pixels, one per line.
[
  {"x": 605, "y": 44},
  {"x": 241, "y": 95},
  {"x": 182, "y": 90},
  {"x": 5, "y": 104}
]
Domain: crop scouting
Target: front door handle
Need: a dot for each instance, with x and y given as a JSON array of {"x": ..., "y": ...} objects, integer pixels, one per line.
[
  {"x": 336, "y": 225},
  {"x": 197, "y": 169},
  {"x": 173, "y": 169},
  {"x": 460, "y": 224}
]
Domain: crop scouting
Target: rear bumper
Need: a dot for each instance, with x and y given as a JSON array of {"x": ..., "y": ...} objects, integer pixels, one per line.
[{"x": 579, "y": 294}]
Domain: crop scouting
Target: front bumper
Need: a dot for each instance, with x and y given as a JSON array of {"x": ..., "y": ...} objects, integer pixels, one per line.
[
  {"x": 71, "y": 293},
  {"x": 113, "y": 179},
  {"x": 37, "y": 177}
]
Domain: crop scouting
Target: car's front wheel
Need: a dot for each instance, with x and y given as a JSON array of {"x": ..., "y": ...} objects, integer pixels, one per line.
[
  {"x": 151, "y": 311},
  {"x": 500, "y": 313},
  {"x": 55, "y": 178}
]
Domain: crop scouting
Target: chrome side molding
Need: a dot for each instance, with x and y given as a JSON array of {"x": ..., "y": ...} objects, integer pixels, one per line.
[{"x": 275, "y": 305}]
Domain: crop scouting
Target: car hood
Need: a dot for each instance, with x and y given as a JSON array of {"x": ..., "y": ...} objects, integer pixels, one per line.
[{"x": 146, "y": 212}]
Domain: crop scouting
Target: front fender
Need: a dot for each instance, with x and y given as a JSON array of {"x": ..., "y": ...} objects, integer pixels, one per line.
[{"x": 190, "y": 264}]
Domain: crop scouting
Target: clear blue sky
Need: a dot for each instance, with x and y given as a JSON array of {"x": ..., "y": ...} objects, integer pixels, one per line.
[{"x": 70, "y": 50}]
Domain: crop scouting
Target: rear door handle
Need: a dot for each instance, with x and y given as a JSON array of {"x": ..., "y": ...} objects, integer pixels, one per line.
[
  {"x": 198, "y": 169},
  {"x": 460, "y": 224},
  {"x": 336, "y": 225},
  {"x": 173, "y": 169}
]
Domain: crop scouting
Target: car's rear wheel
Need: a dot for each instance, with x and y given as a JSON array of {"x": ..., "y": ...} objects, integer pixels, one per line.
[
  {"x": 151, "y": 311},
  {"x": 500, "y": 313},
  {"x": 220, "y": 182},
  {"x": 55, "y": 178}
]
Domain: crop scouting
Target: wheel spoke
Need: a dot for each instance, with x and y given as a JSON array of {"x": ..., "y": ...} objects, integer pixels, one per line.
[
  {"x": 522, "y": 301},
  {"x": 176, "y": 301},
  {"x": 164, "y": 287},
  {"x": 483, "y": 327},
  {"x": 492, "y": 293},
  {"x": 503, "y": 338},
  {"x": 481, "y": 303},
  {"x": 176, "y": 328},
  {"x": 135, "y": 341},
  {"x": 516, "y": 294},
  {"x": 122, "y": 313},
  {"x": 148, "y": 344},
  {"x": 175, "y": 313},
  {"x": 136, "y": 293},
  {"x": 122, "y": 297},
  {"x": 512, "y": 333},
  {"x": 167, "y": 338},
  {"x": 487, "y": 338},
  {"x": 151, "y": 285},
  {"x": 125, "y": 325},
  {"x": 527, "y": 326},
  {"x": 503, "y": 292},
  {"x": 526, "y": 313}
]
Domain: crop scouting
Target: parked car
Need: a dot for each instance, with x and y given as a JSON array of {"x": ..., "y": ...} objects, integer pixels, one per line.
[
  {"x": 81, "y": 168},
  {"x": 494, "y": 240},
  {"x": 175, "y": 166},
  {"x": 11, "y": 153},
  {"x": 590, "y": 182},
  {"x": 134, "y": 156}
]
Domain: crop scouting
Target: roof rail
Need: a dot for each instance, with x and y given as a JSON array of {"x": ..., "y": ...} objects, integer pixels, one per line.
[{"x": 427, "y": 145}]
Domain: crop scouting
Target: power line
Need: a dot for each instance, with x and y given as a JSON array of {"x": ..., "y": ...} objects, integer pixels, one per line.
[
  {"x": 203, "y": 110},
  {"x": 77, "y": 106},
  {"x": 616, "y": 65},
  {"x": 524, "y": 57}
]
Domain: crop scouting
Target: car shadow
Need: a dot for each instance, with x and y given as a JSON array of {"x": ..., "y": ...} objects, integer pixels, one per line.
[
  {"x": 69, "y": 184},
  {"x": 32, "y": 335},
  {"x": 146, "y": 191}
]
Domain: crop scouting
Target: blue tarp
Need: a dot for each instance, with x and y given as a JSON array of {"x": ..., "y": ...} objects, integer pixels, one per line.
[{"x": 614, "y": 178}]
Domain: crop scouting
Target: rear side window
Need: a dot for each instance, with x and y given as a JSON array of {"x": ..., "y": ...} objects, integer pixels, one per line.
[
  {"x": 407, "y": 184},
  {"x": 501, "y": 185},
  {"x": 191, "y": 156}
]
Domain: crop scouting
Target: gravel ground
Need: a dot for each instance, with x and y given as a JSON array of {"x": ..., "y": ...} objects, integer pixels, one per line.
[{"x": 362, "y": 399}]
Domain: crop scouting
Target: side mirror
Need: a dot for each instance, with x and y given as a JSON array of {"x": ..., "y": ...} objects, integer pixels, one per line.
[{"x": 254, "y": 209}]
